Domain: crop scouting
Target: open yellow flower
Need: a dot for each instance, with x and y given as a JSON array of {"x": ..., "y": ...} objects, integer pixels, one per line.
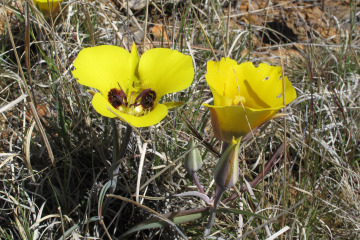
[
  {"x": 245, "y": 96},
  {"x": 48, "y": 7},
  {"x": 130, "y": 87}
]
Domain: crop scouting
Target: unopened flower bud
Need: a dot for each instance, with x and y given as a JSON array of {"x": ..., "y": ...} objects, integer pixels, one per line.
[
  {"x": 226, "y": 172},
  {"x": 193, "y": 161}
]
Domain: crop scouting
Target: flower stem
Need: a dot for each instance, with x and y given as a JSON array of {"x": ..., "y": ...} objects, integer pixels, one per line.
[
  {"x": 218, "y": 193},
  {"x": 198, "y": 184}
]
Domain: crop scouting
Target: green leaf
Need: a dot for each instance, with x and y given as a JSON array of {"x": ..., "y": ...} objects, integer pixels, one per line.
[
  {"x": 101, "y": 197},
  {"x": 176, "y": 217}
]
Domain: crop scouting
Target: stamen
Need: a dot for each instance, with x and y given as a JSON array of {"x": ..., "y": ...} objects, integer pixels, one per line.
[{"x": 146, "y": 91}]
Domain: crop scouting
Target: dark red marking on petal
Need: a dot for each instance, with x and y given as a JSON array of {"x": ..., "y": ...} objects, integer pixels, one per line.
[
  {"x": 148, "y": 100},
  {"x": 117, "y": 98}
]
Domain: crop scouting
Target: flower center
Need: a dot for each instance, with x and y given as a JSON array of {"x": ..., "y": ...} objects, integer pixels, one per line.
[
  {"x": 238, "y": 101},
  {"x": 129, "y": 104}
]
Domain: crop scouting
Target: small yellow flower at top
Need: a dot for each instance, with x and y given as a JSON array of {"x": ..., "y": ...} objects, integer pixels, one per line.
[
  {"x": 245, "y": 96},
  {"x": 132, "y": 87},
  {"x": 48, "y": 7}
]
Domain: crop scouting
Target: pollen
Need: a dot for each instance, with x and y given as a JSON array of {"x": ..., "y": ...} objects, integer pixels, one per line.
[{"x": 139, "y": 109}]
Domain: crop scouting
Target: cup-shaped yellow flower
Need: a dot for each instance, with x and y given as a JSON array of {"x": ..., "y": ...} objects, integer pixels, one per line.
[
  {"x": 245, "y": 96},
  {"x": 48, "y": 7},
  {"x": 132, "y": 87}
]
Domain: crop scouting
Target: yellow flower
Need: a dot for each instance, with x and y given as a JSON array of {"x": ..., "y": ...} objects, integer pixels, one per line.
[
  {"x": 130, "y": 87},
  {"x": 245, "y": 96},
  {"x": 48, "y": 6}
]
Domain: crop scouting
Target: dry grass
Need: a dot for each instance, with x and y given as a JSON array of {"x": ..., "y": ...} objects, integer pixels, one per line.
[{"x": 52, "y": 181}]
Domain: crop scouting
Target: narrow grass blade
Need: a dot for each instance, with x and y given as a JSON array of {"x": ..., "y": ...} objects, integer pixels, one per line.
[{"x": 238, "y": 211}]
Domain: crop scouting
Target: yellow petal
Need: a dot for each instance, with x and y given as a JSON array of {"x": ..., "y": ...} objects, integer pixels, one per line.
[
  {"x": 103, "y": 67},
  {"x": 133, "y": 65},
  {"x": 47, "y": 7},
  {"x": 220, "y": 100},
  {"x": 260, "y": 87},
  {"x": 165, "y": 71},
  {"x": 265, "y": 82},
  {"x": 228, "y": 79},
  {"x": 221, "y": 76},
  {"x": 101, "y": 104},
  {"x": 236, "y": 121}
]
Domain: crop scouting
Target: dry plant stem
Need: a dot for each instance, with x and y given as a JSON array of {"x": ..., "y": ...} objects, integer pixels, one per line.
[
  {"x": 198, "y": 184},
  {"x": 268, "y": 166},
  {"x": 88, "y": 19},
  {"x": 284, "y": 142},
  {"x": 226, "y": 52},
  {"x": 62, "y": 222},
  {"x": 203, "y": 31},
  {"x": 141, "y": 165},
  {"x": 118, "y": 34},
  {"x": 273, "y": 219},
  {"x": 31, "y": 102},
  {"x": 146, "y": 22},
  {"x": 199, "y": 137},
  {"x": 105, "y": 229}
]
